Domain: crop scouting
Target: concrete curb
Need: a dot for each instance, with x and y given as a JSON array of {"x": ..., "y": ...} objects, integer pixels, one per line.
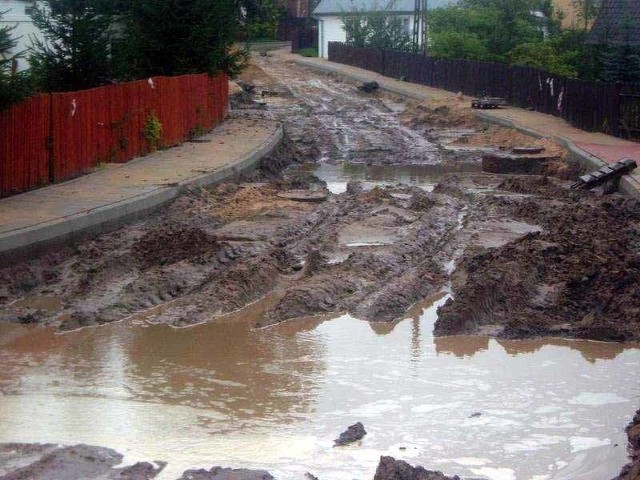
[
  {"x": 29, "y": 240},
  {"x": 628, "y": 185}
]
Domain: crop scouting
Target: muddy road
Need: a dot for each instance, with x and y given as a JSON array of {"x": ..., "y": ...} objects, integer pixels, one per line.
[{"x": 523, "y": 255}]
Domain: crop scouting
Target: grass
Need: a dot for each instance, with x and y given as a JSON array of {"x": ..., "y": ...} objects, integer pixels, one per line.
[{"x": 308, "y": 52}]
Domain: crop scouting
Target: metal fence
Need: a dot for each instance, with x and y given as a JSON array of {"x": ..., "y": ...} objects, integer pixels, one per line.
[
  {"x": 612, "y": 108},
  {"x": 54, "y": 137}
]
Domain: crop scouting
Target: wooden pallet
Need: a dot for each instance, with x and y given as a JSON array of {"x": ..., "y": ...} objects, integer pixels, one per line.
[
  {"x": 488, "y": 102},
  {"x": 604, "y": 174}
]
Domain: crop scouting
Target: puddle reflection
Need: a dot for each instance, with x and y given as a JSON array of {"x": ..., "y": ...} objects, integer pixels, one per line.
[{"x": 274, "y": 398}]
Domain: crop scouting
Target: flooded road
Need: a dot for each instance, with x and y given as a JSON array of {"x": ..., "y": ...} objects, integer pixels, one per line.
[
  {"x": 223, "y": 392},
  {"x": 275, "y": 398}
]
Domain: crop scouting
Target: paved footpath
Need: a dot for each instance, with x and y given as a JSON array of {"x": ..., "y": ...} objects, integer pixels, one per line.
[
  {"x": 121, "y": 192},
  {"x": 592, "y": 149}
]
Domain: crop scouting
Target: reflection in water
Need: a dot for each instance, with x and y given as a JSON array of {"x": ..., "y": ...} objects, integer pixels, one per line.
[
  {"x": 274, "y": 398},
  {"x": 590, "y": 350},
  {"x": 461, "y": 346},
  {"x": 426, "y": 176}
]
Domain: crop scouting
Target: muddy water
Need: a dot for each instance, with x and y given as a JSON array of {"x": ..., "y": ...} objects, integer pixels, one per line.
[
  {"x": 337, "y": 176},
  {"x": 224, "y": 393}
]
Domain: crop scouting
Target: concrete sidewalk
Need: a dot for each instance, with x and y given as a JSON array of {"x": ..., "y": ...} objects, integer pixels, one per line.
[
  {"x": 592, "y": 150},
  {"x": 121, "y": 192}
]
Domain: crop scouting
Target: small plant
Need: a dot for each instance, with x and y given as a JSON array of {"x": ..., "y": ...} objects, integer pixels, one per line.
[
  {"x": 197, "y": 131},
  {"x": 153, "y": 131},
  {"x": 308, "y": 52}
]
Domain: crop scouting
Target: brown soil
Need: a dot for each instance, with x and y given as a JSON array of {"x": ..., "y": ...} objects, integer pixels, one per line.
[
  {"x": 50, "y": 462},
  {"x": 632, "y": 470},
  {"x": 532, "y": 258},
  {"x": 579, "y": 276},
  {"x": 391, "y": 469}
]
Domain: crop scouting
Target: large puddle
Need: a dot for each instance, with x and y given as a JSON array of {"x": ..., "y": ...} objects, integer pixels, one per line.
[
  {"x": 337, "y": 176},
  {"x": 226, "y": 394}
]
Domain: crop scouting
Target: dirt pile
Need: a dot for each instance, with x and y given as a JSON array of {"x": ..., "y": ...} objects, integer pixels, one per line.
[
  {"x": 352, "y": 434},
  {"x": 440, "y": 114},
  {"x": 219, "y": 473},
  {"x": 579, "y": 277},
  {"x": 391, "y": 469},
  {"x": 632, "y": 470},
  {"x": 50, "y": 462}
]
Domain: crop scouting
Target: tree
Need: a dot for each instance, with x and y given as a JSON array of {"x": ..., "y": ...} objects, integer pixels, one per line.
[
  {"x": 449, "y": 44},
  {"x": 513, "y": 23},
  {"x": 75, "y": 52},
  {"x": 620, "y": 63},
  {"x": 264, "y": 24},
  {"x": 13, "y": 86},
  {"x": 542, "y": 55},
  {"x": 376, "y": 29},
  {"x": 587, "y": 11},
  {"x": 175, "y": 37}
]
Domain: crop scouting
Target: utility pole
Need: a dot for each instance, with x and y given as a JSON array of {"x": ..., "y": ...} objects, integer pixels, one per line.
[{"x": 420, "y": 26}]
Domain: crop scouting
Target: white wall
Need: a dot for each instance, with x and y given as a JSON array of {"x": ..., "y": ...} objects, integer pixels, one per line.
[
  {"x": 330, "y": 29},
  {"x": 24, "y": 31}
]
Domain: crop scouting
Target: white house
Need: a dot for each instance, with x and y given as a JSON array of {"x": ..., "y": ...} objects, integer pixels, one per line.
[
  {"x": 16, "y": 13},
  {"x": 329, "y": 15}
]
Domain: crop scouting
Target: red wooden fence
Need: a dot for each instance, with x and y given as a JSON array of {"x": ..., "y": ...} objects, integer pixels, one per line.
[{"x": 51, "y": 138}]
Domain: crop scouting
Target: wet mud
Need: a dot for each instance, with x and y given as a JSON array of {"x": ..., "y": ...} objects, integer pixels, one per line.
[
  {"x": 53, "y": 462},
  {"x": 523, "y": 255},
  {"x": 632, "y": 470}
]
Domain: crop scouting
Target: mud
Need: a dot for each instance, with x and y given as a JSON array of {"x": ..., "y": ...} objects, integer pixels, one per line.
[
  {"x": 632, "y": 470},
  {"x": 352, "y": 434},
  {"x": 579, "y": 276},
  {"x": 391, "y": 469},
  {"x": 523, "y": 256},
  {"x": 52, "y": 462}
]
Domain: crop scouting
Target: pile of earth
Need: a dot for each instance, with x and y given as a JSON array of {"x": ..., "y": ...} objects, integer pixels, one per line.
[
  {"x": 20, "y": 461},
  {"x": 632, "y": 470},
  {"x": 578, "y": 277}
]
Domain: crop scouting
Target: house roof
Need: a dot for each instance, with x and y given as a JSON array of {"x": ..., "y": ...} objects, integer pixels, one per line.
[
  {"x": 336, "y": 7},
  {"x": 618, "y": 23}
]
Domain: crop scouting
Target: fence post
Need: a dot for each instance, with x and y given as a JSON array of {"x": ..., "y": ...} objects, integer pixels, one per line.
[
  {"x": 616, "y": 110},
  {"x": 50, "y": 140}
]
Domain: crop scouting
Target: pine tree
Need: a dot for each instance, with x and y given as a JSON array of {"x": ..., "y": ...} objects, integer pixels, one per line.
[
  {"x": 620, "y": 63},
  {"x": 75, "y": 52},
  {"x": 13, "y": 86},
  {"x": 175, "y": 37}
]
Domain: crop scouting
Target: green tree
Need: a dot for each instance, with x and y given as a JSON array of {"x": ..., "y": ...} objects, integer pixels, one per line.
[
  {"x": 620, "y": 63},
  {"x": 512, "y": 23},
  {"x": 542, "y": 55},
  {"x": 13, "y": 86},
  {"x": 175, "y": 37},
  {"x": 450, "y": 44},
  {"x": 376, "y": 29},
  {"x": 75, "y": 51},
  {"x": 264, "y": 24},
  {"x": 489, "y": 29}
]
